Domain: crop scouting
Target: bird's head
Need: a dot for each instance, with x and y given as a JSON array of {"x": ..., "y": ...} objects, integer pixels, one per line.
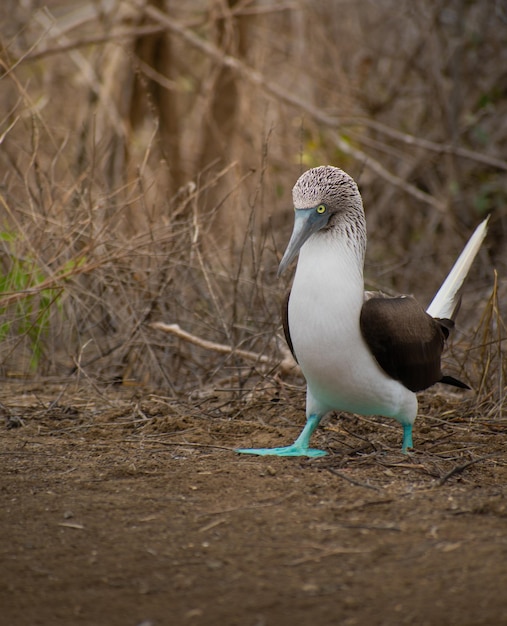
[{"x": 325, "y": 198}]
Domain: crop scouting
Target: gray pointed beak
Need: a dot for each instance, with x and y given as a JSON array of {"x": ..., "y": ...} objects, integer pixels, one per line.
[{"x": 306, "y": 222}]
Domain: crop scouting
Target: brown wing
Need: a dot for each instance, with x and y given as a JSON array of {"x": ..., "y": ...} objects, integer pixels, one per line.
[
  {"x": 285, "y": 323},
  {"x": 406, "y": 342}
]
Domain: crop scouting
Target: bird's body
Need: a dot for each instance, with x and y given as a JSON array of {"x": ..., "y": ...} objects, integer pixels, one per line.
[
  {"x": 359, "y": 352},
  {"x": 346, "y": 375}
]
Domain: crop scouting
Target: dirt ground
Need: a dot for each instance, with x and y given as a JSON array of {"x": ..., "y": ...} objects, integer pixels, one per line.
[{"x": 122, "y": 507}]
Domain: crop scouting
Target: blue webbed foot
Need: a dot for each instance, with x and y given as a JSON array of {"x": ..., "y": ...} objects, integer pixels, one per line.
[
  {"x": 407, "y": 438},
  {"x": 299, "y": 448},
  {"x": 292, "y": 450}
]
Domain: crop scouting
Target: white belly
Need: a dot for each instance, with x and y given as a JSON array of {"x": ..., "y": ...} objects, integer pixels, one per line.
[{"x": 324, "y": 310}]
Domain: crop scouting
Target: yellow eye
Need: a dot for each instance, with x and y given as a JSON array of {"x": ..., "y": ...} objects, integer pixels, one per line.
[{"x": 321, "y": 209}]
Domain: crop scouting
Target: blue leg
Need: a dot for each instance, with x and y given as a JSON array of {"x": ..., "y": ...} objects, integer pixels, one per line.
[
  {"x": 407, "y": 438},
  {"x": 298, "y": 448}
]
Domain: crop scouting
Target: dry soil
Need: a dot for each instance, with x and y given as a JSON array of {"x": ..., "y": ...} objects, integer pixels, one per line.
[{"x": 123, "y": 507}]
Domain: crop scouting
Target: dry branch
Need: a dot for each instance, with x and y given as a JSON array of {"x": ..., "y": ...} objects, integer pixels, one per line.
[
  {"x": 381, "y": 171},
  {"x": 357, "y": 483},
  {"x": 433, "y": 146},
  {"x": 53, "y": 282},
  {"x": 287, "y": 365},
  {"x": 124, "y": 33},
  {"x": 457, "y": 469},
  {"x": 281, "y": 94}
]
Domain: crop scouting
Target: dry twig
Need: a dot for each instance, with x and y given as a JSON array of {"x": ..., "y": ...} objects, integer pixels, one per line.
[
  {"x": 460, "y": 468},
  {"x": 352, "y": 480},
  {"x": 287, "y": 365}
]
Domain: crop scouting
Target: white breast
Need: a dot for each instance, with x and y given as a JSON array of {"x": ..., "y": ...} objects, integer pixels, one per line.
[{"x": 324, "y": 309}]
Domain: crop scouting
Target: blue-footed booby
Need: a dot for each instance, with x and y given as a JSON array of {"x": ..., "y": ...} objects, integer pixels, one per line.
[{"x": 360, "y": 352}]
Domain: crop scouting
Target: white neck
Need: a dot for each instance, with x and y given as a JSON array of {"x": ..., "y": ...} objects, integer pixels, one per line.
[{"x": 327, "y": 265}]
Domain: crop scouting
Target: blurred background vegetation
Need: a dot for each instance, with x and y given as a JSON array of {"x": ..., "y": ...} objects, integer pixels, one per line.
[{"x": 148, "y": 150}]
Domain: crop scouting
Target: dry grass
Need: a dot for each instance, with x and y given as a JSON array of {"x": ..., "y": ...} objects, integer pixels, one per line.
[{"x": 147, "y": 161}]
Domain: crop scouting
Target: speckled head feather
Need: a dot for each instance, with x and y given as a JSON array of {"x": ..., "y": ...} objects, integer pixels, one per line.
[
  {"x": 338, "y": 191},
  {"x": 325, "y": 184}
]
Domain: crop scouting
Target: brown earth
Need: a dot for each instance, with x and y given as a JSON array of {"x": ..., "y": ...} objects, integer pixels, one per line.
[{"x": 121, "y": 507}]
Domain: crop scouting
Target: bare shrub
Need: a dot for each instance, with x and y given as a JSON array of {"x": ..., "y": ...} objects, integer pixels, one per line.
[{"x": 149, "y": 149}]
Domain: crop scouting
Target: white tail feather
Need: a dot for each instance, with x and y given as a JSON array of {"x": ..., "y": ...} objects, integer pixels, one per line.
[{"x": 446, "y": 298}]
